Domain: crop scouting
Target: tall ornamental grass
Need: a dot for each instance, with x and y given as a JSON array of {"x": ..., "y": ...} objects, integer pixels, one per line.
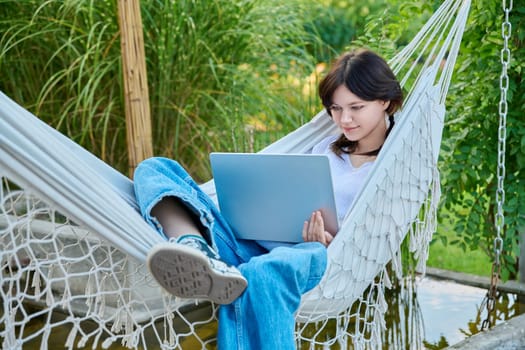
[{"x": 224, "y": 75}]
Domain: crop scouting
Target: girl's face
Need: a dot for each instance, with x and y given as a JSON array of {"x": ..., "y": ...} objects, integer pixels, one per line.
[{"x": 359, "y": 120}]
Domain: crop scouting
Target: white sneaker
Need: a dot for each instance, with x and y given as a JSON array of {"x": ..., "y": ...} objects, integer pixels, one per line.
[{"x": 190, "y": 268}]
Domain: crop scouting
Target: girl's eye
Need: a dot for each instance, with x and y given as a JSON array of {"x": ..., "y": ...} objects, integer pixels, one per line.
[
  {"x": 358, "y": 107},
  {"x": 336, "y": 109}
]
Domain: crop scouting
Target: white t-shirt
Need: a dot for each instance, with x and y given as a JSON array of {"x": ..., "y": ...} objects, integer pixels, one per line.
[{"x": 347, "y": 180}]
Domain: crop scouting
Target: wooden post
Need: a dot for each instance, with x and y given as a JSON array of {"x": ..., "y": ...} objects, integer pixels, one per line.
[{"x": 137, "y": 108}]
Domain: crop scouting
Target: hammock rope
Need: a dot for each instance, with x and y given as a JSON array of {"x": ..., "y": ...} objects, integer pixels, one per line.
[{"x": 399, "y": 198}]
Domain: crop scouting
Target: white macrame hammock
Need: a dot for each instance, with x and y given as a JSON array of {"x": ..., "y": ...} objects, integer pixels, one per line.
[{"x": 72, "y": 240}]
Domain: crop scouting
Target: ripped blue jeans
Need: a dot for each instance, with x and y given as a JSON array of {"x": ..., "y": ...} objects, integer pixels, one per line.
[{"x": 263, "y": 317}]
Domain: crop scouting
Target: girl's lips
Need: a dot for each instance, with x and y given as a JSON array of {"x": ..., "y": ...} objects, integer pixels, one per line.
[{"x": 349, "y": 129}]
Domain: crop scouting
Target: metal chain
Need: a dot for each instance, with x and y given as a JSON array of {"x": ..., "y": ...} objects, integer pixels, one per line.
[{"x": 499, "y": 220}]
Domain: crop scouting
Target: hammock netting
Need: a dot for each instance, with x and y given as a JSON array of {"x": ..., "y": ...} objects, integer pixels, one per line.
[{"x": 73, "y": 245}]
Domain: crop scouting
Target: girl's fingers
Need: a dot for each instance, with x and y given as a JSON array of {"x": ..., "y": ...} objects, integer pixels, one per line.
[
  {"x": 305, "y": 231},
  {"x": 328, "y": 238},
  {"x": 313, "y": 230}
]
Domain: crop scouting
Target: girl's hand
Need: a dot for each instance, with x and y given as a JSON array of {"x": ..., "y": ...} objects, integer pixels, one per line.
[{"x": 313, "y": 230}]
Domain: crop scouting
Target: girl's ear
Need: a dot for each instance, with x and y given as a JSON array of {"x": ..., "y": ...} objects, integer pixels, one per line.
[{"x": 386, "y": 104}]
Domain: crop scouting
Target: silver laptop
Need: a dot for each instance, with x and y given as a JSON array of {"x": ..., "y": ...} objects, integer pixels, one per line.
[{"x": 269, "y": 196}]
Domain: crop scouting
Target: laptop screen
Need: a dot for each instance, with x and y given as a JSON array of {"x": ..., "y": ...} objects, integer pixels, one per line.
[{"x": 269, "y": 196}]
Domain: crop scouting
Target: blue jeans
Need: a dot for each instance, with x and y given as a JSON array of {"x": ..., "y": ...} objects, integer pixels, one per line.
[{"x": 263, "y": 317}]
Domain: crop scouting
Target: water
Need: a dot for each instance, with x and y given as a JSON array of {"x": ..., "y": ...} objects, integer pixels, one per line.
[
  {"x": 433, "y": 314},
  {"x": 451, "y": 312}
]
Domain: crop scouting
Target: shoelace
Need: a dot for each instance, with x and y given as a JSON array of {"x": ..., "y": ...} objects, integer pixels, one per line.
[
  {"x": 200, "y": 245},
  {"x": 206, "y": 250}
]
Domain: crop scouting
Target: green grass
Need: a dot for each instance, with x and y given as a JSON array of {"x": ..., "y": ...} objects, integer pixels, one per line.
[
  {"x": 213, "y": 67},
  {"x": 454, "y": 258}
]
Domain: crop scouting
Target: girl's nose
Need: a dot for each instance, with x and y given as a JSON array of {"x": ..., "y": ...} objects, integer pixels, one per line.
[{"x": 346, "y": 116}]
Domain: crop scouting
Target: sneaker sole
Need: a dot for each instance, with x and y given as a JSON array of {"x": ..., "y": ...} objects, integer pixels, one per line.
[{"x": 185, "y": 272}]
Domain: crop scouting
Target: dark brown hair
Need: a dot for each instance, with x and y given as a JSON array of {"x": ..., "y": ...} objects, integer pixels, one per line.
[{"x": 368, "y": 76}]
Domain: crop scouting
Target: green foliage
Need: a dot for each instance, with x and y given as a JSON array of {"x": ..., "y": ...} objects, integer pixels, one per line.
[
  {"x": 337, "y": 23},
  {"x": 215, "y": 69},
  {"x": 53, "y": 59},
  {"x": 221, "y": 64},
  {"x": 393, "y": 25},
  {"x": 469, "y": 152}
]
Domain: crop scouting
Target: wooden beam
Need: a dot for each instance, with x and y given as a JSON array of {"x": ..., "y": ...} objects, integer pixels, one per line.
[
  {"x": 513, "y": 287},
  {"x": 137, "y": 107}
]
